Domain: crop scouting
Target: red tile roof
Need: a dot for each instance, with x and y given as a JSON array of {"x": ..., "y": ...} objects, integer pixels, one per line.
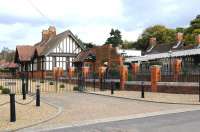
[
  {"x": 4, "y": 64},
  {"x": 25, "y": 52}
]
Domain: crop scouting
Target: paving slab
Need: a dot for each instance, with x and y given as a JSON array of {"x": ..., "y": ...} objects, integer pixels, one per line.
[{"x": 80, "y": 107}]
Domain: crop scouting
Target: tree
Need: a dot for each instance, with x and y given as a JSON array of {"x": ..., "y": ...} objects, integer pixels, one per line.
[
  {"x": 127, "y": 44},
  {"x": 162, "y": 34},
  {"x": 7, "y": 54},
  {"x": 115, "y": 38},
  {"x": 89, "y": 45},
  {"x": 192, "y": 31},
  {"x": 180, "y": 30},
  {"x": 167, "y": 35},
  {"x": 86, "y": 45}
]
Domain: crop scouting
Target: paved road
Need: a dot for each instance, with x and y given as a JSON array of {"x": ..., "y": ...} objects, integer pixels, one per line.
[{"x": 179, "y": 122}]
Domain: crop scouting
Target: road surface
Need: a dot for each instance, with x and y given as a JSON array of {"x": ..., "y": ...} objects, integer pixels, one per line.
[{"x": 179, "y": 122}]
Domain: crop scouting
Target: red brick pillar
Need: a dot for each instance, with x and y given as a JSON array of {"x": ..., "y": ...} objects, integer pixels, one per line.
[
  {"x": 135, "y": 69},
  {"x": 155, "y": 77},
  {"x": 123, "y": 76},
  {"x": 85, "y": 71},
  {"x": 71, "y": 71},
  {"x": 101, "y": 72},
  {"x": 177, "y": 68}
]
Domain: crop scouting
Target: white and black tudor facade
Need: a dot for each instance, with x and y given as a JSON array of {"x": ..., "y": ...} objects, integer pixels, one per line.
[{"x": 54, "y": 50}]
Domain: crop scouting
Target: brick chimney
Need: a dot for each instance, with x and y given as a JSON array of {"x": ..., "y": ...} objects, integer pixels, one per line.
[
  {"x": 152, "y": 41},
  {"x": 45, "y": 35},
  {"x": 179, "y": 37},
  {"x": 198, "y": 39},
  {"x": 52, "y": 31}
]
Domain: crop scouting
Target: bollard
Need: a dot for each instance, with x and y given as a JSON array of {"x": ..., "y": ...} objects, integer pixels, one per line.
[
  {"x": 38, "y": 97},
  {"x": 23, "y": 91},
  {"x": 112, "y": 87},
  {"x": 142, "y": 90},
  {"x": 199, "y": 90},
  {"x": 94, "y": 83},
  {"x": 12, "y": 108}
]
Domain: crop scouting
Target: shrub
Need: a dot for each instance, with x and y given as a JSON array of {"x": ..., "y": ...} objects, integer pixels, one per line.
[
  {"x": 1, "y": 87},
  {"x": 5, "y": 91},
  {"x": 42, "y": 81},
  {"x": 76, "y": 88},
  {"x": 34, "y": 80},
  {"x": 51, "y": 83},
  {"x": 62, "y": 86}
]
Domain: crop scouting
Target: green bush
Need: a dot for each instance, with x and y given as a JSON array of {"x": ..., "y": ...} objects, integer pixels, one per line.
[
  {"x": 51, "y": 83},
  {"x": 42, "y": 81},
  {"x": 76, "y": 88},
  {"x": 1, "y": 87},
  {"x": 34, "y": 80},
  {"x": 62, "y": 86},
  {"x": 5, "y": 91}
]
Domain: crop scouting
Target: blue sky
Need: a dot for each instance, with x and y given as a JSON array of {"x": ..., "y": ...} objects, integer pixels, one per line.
[{"x": 21, "y": 23}]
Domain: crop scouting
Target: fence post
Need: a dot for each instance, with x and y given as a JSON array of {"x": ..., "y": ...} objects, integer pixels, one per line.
[
  {"x": 38, "y": 96},
  {"x": 142, "y": 89},
  {"x": 12, "y": 108}
]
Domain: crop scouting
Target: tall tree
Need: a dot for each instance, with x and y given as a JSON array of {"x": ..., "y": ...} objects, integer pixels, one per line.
[
  {"x": 89, "y": 45},
  {"x": 128, "y": 44},
  {"x": 115, "y": 38},
  {"x": 7, "y": 54},
  {"x": 162, "y": 34},
  {"x": 192, "y": 30}
]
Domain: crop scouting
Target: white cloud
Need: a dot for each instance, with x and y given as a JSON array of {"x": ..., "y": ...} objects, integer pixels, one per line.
[
  {"x": 131, "y": 35},
  {"x": 91, "y": 20},
  {"x": 84, "y": 17},
  {"x": 19, "y": 34},
  {"x": 63, "y": 9}
]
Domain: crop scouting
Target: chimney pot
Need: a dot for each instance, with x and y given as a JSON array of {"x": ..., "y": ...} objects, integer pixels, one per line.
[
  {"x": 45, "y": 35},
  {"x": 52, "y": 31},
  {"x": 179, "y": 37},
  {"x": 152, "y": 41},
  {"x": 198, "y": 39}
]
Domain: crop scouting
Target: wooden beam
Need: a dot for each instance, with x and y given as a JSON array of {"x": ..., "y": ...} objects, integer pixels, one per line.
[{"x": 63, "y": 54}]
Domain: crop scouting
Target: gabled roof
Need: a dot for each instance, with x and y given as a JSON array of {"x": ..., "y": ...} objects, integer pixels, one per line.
[
  {"x": 25, "y": 52},
  {"x": 160, "y": 48},
  {"x": 166, "y": 47},
  {"x": 44, "y": 47},
  {"x": 84, "y": 55}
]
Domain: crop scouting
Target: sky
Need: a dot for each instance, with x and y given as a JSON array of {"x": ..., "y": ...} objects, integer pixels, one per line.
[{"x": 22, "y": 21}]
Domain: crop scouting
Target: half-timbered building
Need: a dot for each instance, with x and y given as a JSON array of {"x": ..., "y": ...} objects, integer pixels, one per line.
[{"x": 54, "y": 50}]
